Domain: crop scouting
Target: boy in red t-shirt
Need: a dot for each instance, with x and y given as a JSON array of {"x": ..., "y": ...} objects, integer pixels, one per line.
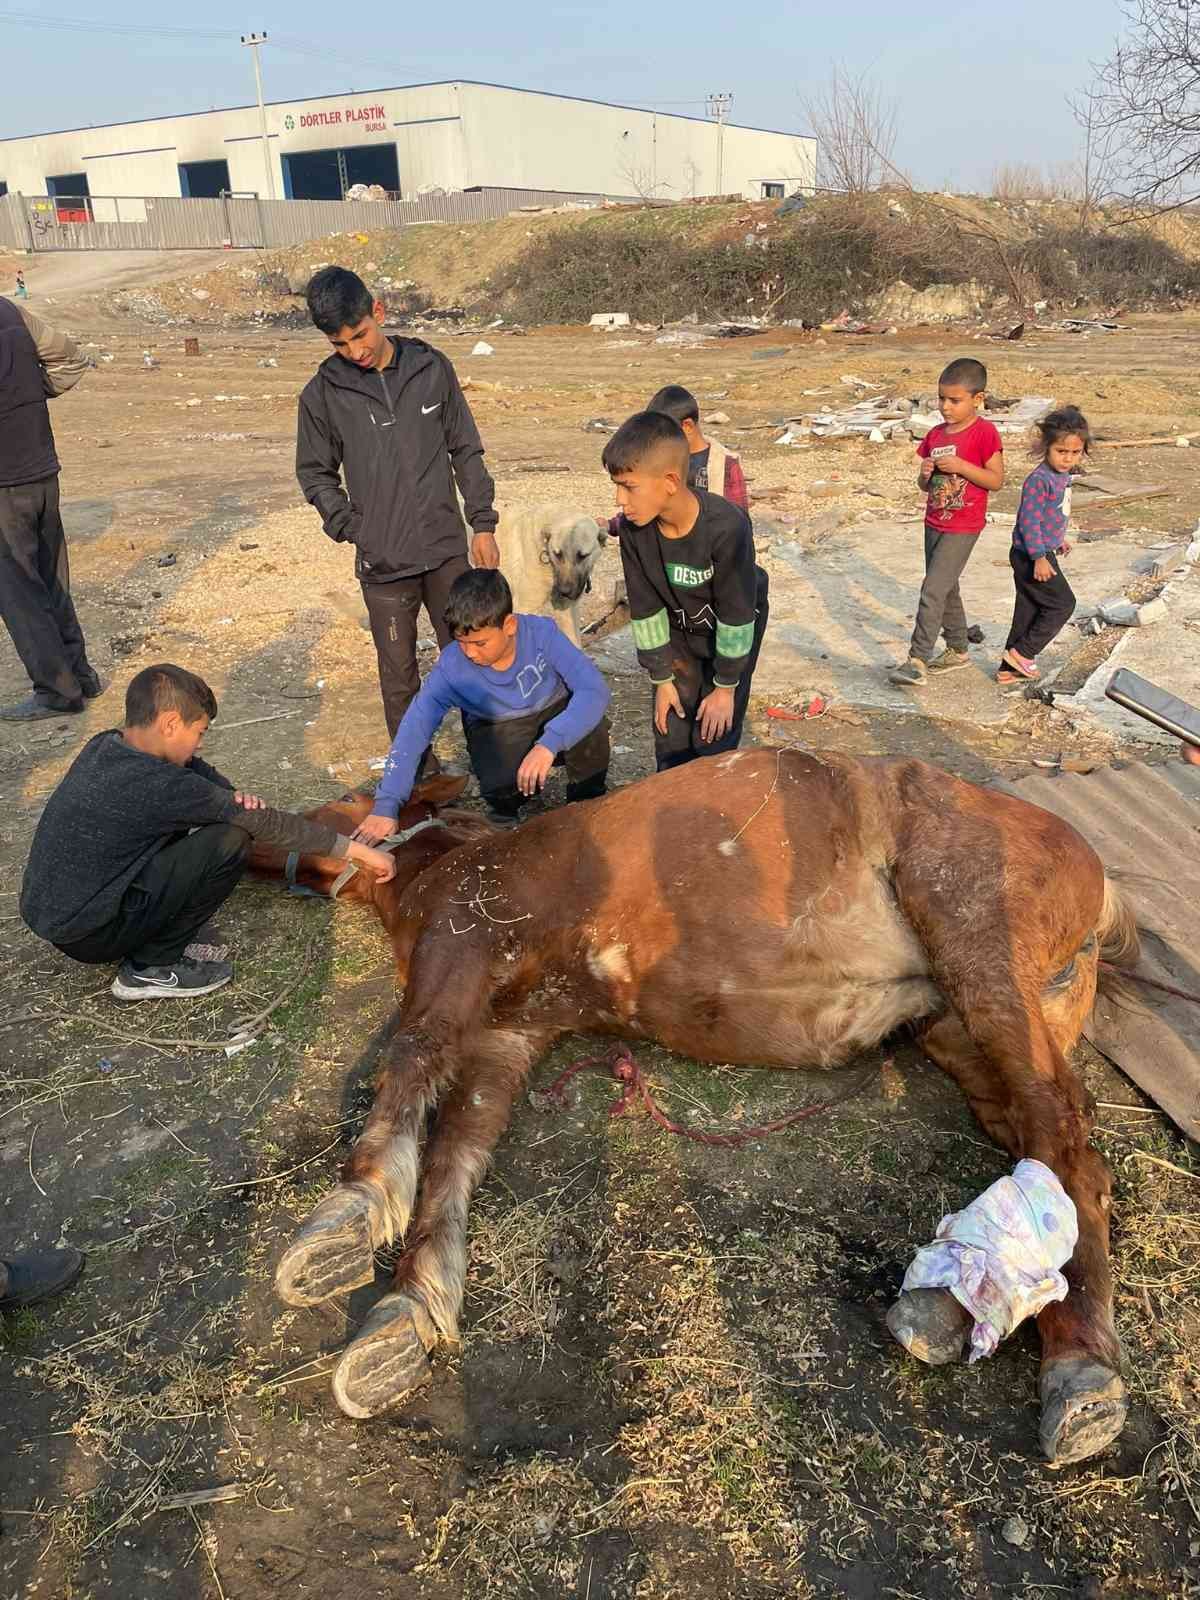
[{"x": 962, "y": 462}]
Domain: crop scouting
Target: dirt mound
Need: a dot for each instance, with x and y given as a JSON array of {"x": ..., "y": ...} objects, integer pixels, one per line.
[{"x": 911, "y": 258}]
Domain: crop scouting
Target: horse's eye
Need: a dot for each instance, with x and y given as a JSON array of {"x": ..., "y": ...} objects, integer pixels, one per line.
[
  {"x": 557, "y": 554},
  {"x": 581, "y": 555}
]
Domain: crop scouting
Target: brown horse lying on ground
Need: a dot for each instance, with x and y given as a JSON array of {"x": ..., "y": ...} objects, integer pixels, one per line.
[{"x": 766, "y": 907}]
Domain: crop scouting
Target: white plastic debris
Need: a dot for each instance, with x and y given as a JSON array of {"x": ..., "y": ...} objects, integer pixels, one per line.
[
  {"x": 1000, "y": 1256},
  {"x": 483, "y": 348}
]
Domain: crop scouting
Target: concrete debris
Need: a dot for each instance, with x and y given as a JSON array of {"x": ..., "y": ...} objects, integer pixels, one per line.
[
  {"x": 718, "y": 417},
  {"x": 1183, "y": 442},
  {"x": 1161, "y": 563},
  {"x": 683, "y": 336},
  {"x": 610, "y": 319},
  {"x": 168, "y": 560},
  {"x": 1128, "y": 614},
  {"x": 940, "y": 302},
  {"x": 483, "y": 348},
  {"x": 599, "y": 425},
  {"x": 798, "y": 437},
  {"x": 268, "y": 361},
  {"x": 1019, "y": 418},
  {"x": 1084, "y": 325}
]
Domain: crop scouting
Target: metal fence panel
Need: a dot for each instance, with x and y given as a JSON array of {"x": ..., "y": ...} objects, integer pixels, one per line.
[{"x": 236, "y": 222}]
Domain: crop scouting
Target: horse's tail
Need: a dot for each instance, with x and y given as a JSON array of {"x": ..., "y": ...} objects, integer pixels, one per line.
[{"x": 1117, "y": 935}]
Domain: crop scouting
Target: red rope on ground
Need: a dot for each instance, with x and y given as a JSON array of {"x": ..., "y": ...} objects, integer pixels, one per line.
[
  {"x": 634, "y": 1089},
  {"x": 1151, "y": 983}
]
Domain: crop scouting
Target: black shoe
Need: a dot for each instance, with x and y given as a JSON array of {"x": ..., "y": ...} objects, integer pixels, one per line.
[
  {"x": 31, "y": 709},
  {"x": 37, "y": 1274},
  {"x": 90, "y": 683},
  {"x": 182, "y": 980},
  {"x": 503, "y": 819}
]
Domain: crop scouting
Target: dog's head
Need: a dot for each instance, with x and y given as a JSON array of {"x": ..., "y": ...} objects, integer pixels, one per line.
[{"x": 572, "y": 546}]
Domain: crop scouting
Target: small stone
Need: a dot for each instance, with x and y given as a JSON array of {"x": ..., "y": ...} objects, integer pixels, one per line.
[
  {"x": 1015, "y": 1531},
  {"x": 1153, "y": 611},
  {"x": 483, "y": 348}
]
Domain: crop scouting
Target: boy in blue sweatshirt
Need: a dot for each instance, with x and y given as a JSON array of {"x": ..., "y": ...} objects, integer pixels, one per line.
[{"x": 529, "y": 698}]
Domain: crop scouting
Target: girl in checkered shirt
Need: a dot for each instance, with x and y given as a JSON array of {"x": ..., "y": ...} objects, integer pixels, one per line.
[{"x": 1045, "y": 599}]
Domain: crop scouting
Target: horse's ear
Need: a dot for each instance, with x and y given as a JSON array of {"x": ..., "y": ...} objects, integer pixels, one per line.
[
  {"x": 441, "y": 790},
  {"x": 601, "y": 530}
]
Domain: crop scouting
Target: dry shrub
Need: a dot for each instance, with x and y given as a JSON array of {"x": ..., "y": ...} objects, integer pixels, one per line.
[
  {"x": 1109, "y": 267},
  {"x": 835, "y": 254}
]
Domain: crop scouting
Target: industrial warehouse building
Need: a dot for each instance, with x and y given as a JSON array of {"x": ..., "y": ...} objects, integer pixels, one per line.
[{"x": 451, "y": 136}]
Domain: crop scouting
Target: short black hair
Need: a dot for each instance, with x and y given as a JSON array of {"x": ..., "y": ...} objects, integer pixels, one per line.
[
  {"x": 968, "y": 372},
  {"x": 1061, "y": 424},
  {"x": 337, "y": 298},
  {"x": 646, "y": 433},
  {"x": 480, "y": 598},
  {"x": 167, "y": 688},
  {"x": 676, "y": 401}
]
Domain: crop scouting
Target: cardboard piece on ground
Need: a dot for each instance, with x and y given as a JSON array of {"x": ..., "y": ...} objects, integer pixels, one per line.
[{"x": 1144, "y": 821}]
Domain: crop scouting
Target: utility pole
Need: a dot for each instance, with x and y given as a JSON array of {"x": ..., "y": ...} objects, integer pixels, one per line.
[
  {"x": 718, "y": 107},
  {"x": 254, "y": 40}
]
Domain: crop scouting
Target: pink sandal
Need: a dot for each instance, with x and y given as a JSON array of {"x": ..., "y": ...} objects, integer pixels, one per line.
[{"x": 1018, "y": 664}]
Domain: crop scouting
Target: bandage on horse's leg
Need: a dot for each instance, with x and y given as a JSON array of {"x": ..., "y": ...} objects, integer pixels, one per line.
[{"x": 390, "y": 1356}]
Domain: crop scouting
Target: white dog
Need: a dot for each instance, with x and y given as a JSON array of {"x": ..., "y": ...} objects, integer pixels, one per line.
[{"x": 547, "y": 554}]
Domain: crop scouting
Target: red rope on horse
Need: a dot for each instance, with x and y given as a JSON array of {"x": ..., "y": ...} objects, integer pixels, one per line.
[
  {"x": 1151, "y": 983},
  {"x": 627, "y": 1072}
]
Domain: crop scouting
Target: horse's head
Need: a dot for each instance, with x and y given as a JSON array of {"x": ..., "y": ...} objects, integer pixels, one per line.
[{"x": 435, "y": 829}]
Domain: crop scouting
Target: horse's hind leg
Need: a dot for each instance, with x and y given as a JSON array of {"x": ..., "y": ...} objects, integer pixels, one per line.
[
  {"x": 1046, "y": 1116},
  {"x": 389, "y": 1357}
]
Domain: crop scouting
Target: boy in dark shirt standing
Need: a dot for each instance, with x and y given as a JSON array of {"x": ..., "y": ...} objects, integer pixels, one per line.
[
  {"x": 710, "y": 465},
  {"x": 697, "y": 599},
  {"x": 142, "y": 841},
  {"x": 962, "y": 462},
  {"x": 390, "y": 413}
]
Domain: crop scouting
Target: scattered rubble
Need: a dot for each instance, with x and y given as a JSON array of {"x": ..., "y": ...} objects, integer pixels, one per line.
[{"x": 610, "y": 319}]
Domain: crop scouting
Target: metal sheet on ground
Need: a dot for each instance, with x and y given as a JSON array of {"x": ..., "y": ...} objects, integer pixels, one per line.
[{"x": 1144, "y": 822}]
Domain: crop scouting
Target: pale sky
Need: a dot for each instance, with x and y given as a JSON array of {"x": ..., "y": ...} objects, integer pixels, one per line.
[{"x": 976, "y": 86}]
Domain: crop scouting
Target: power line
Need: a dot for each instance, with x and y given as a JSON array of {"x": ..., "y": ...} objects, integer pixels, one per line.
[{"x": 293, "y": 46}]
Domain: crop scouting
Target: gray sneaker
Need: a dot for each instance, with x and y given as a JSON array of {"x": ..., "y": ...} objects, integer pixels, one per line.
[
  {"x": 182, "y": 980},
  {"x": 912, "y": 673},
  {"x": 948, "y": 660}
]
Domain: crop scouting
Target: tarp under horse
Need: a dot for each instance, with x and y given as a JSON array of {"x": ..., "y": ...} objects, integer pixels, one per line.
[{"x": 1144, "y": 823}]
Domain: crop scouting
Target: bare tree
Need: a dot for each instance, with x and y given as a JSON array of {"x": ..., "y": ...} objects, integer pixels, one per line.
[
  {"x": 854, "y": 124},
  {"x": 1146, "y": 103},
  {"x": 1099, "y": 160}
]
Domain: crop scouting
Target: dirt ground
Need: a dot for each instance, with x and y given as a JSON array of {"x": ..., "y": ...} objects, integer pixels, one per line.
[{"x": 675, "y": 1378}]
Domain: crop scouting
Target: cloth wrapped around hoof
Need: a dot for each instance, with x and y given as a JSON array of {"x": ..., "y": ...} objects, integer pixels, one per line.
[
  {"x": 387, "y": 1359},
  {"x": 999, "y": 1258},
  {"x": 333, "y": 1253},
  {"x": 1084, "y": 1405}
]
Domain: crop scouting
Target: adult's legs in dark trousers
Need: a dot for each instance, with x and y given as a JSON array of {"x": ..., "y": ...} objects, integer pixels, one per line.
[
  {"x": 1042, "y": 610},
  {"x": 393, "y": 609},
  {"x": 940, "y": 607},
  {"x": 170, "y": 900},
  {"x": 694, "y": 680},
  {"x": 35, "y": 592}
]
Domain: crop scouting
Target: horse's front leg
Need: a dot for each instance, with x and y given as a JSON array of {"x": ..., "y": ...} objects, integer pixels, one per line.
[
  {"x": 389, "y": 1357},
  {"x": 334, "y": 1250}
]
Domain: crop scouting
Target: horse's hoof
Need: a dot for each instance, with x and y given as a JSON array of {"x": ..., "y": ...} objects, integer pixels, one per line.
[
  {"x": 1084, "y": 1405},
  {"x": 931, "y": 1325},
  {"x": 333, "y": 1252},
  {"x": 387, "y": 1360}
]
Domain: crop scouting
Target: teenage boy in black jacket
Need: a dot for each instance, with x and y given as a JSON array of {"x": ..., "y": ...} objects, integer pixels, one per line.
[
  {"x": 389, "y": 413},
  {"x": 697, "y": 598}
]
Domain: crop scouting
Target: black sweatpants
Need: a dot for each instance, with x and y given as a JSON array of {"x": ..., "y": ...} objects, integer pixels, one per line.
[
  {"x": 1042, "y": 610},
  {"x": 497, "y": 749},
  {"x": 694, "y": 681},
  {"x": 170, "y": 900},
  {"x": 35, "y": 592},
  {"x": 393, "y": 609}
]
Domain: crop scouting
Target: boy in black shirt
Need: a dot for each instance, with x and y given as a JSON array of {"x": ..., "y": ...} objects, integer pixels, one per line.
[
  {"x": 697, "y": 599},
  {"x": 142, "y": 841}
]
